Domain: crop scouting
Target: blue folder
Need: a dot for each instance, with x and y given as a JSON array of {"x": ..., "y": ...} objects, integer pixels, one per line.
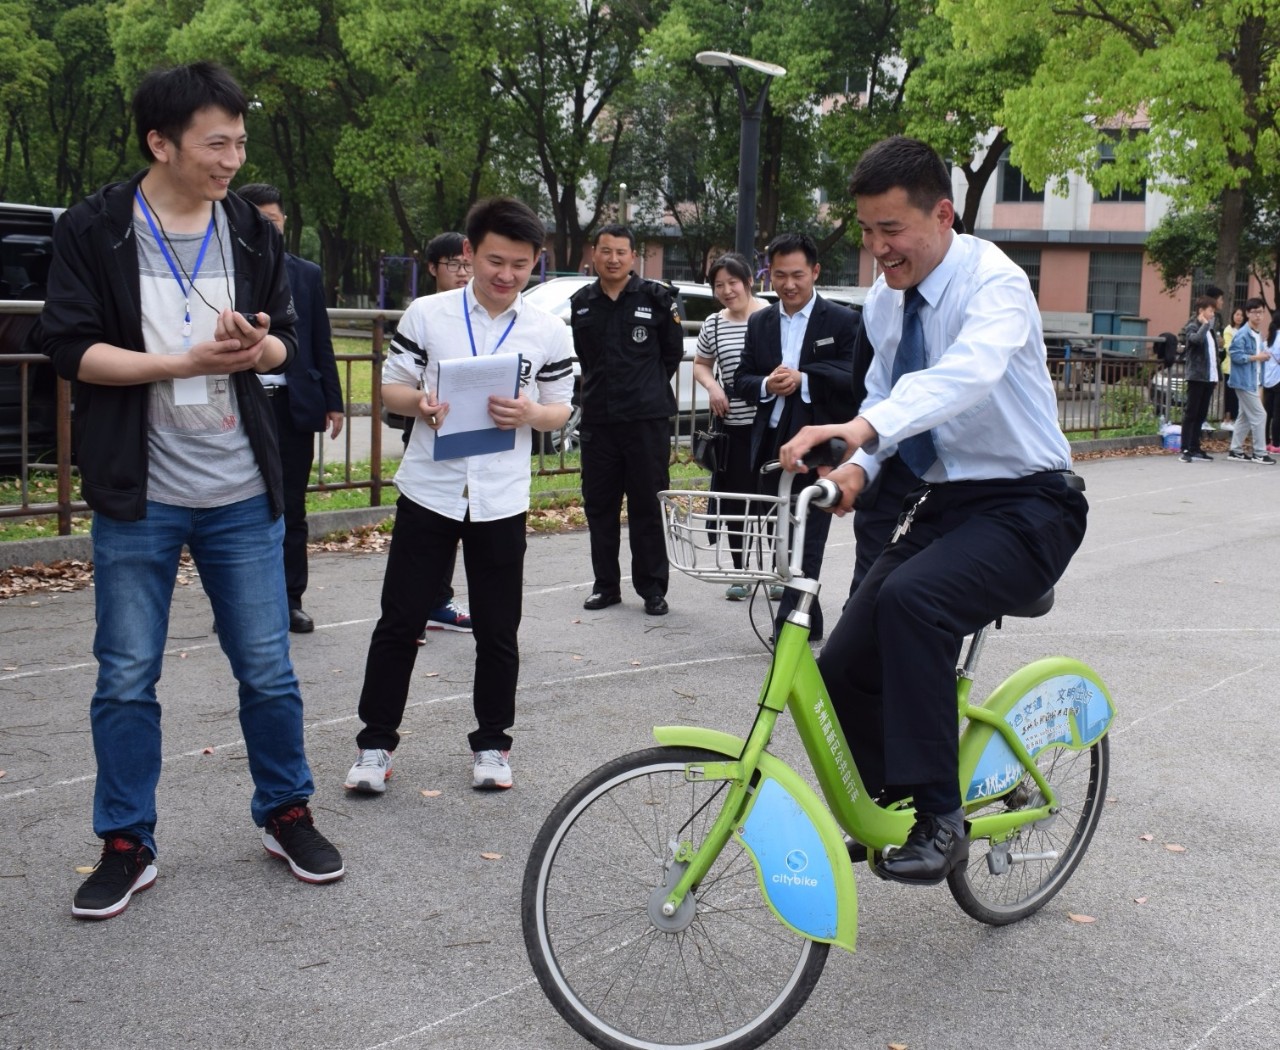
[{"x": 477, "y": 442}]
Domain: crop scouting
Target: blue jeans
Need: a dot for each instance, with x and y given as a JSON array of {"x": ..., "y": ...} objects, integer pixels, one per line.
[{"x": 237, "y": 550}]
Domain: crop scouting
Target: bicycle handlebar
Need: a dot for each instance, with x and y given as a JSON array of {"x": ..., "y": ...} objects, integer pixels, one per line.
[{"x": 822, "y": 493}]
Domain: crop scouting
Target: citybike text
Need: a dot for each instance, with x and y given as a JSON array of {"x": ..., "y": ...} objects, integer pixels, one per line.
[{"x": 795, "y": 880}]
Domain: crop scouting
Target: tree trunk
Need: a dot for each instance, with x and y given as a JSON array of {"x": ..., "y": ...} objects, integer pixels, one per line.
[
  {"x": 976, "y": 179},
  {"x": 1230, "y": 228}
]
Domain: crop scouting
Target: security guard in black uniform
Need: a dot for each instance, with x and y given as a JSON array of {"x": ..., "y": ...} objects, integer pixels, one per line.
[{"x": 627, "y": 335}]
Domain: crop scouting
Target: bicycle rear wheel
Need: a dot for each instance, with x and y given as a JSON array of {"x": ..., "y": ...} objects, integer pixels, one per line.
[
  {"x": 1005, "y": 882},
  {"x": 722, "y": 974}
]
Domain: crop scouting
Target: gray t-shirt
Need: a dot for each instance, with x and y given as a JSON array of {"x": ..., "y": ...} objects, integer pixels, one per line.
[{"x": 199, "y": 453}]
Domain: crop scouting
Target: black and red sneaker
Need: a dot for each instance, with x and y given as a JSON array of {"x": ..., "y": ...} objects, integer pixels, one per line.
[
  {"x": 291, "y": 835},
  {"x": 124, "y": 869}
]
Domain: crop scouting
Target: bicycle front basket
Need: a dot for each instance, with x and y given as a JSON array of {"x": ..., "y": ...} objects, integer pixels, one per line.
[{"x": 722, "y": 537}]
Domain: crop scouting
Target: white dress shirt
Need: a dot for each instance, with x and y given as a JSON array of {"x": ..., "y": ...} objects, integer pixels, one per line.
[
  {"x": 433, "y": 329},
  {"x": 986, "y": 393},
  {"x": 791, "y": 330}
]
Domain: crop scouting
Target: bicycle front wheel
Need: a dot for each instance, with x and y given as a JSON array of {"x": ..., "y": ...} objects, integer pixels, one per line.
[
  {"x": 722, "y": 974},
  {"x": 1005, "y": 882}
]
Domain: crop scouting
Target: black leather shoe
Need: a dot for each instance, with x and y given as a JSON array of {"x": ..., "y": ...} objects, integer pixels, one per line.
[
  {"x": 300, "y": 622},
  {"x": 655, "y": 605},
  {"x": 933, "y": 850},
  {"x": 600, "y": 600}
]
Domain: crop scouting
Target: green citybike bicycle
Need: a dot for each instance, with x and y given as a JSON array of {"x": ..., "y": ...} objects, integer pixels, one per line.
[{"x": 687, "y": 895}]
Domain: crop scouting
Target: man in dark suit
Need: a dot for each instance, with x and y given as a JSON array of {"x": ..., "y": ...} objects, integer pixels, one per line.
[
  {"x": 306, "y": 400},
  {"x": 797, "y": 369}
]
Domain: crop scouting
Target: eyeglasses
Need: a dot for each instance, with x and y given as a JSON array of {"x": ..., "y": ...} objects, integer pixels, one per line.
[{"x": 457, "y": 266}]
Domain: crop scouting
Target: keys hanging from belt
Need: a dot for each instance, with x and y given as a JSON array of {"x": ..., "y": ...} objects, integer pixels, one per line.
[{"x": 907, "y": 517}]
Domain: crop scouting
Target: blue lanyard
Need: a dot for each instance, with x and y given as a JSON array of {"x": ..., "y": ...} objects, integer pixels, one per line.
[
  {"x": 466, "y": 313},
  {"x": 173, "y": 268}
]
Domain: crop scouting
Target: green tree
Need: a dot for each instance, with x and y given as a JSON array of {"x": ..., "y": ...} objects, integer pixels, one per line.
[
  {"x": 954, "y": 96},
  {"x": 1183, "y": 92},
  {"x": 64, "y": 117}
]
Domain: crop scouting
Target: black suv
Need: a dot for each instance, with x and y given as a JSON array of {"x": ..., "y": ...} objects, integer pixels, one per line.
[{"x": 26, "y": 248}]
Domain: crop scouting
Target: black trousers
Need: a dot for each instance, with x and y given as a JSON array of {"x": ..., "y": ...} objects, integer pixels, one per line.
[
  {"x": 974, "y": 551},
  {"x": 631, "y": 459},
  {"x": 877, "y": 515},
  {"x": 297, "y": 452},
  {"x": 445, "y": 595},
  {"x": 1271, "y": 402},
  {"x": 1195, "y": 412},
  {"x": 423, "y": 545}
]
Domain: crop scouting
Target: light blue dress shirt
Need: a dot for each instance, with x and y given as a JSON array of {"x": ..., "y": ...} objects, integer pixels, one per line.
[
  {"x": 986, "y": 393},
  {"x": 791, "y": 335}
]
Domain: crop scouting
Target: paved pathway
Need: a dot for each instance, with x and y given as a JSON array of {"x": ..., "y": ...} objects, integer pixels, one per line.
[{"x": 1172, "y": 598}]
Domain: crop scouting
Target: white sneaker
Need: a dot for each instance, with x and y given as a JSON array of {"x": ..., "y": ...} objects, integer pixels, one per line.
[
  {"x": 490, "y": 770},
  {"x": 370, "y": 772}
]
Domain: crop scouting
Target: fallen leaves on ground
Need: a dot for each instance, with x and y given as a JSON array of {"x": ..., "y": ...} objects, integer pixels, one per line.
[
  {"x": 361, "y": 538},
  {"x": 206, "y": 751},
  {"x": 85, "y": 869},
  {"x": 430, "y": 793},
  {"x": 897, "y": 1046},
  {"x": 1146, "y": 838},
  {"x": 1173, "y": 847},
  {"x": 1139, "y": 900},
  {"x": 491, "y": 856},
  {"x": 1080, "y": 918},
  {"x": 551, "y": 519},
  {"x": 56, "y": 577}
]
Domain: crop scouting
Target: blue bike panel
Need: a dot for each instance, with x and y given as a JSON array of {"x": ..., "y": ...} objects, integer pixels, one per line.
[
  {"x": 794, "y": 868},
  {"x": 1067, "y": 711}
]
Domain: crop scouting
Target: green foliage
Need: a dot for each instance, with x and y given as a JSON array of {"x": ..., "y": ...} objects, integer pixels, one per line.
[
  {"x": 1181, "y": 243},
  {"x": 1183, "y": 91}
]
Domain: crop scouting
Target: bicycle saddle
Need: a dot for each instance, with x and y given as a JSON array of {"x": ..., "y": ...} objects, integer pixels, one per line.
[{"x": 1036, "y": 608}]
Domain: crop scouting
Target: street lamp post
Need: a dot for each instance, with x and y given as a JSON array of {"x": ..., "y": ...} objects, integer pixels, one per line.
[{"x": 749, "y": 139}]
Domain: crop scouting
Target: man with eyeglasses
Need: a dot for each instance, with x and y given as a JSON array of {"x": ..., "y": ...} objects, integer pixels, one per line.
[{"x": 450, "y": 270}]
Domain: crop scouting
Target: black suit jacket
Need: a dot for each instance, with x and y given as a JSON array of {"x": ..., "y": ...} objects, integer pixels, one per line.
[
  {"x": 826, "y": 357},
  {"x": 312, "y": 375}
]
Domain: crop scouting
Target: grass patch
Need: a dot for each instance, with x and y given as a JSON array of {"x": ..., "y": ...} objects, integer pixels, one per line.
[
  {"x": 356, "y": 376},
  {"x": 41, "y": 488}
]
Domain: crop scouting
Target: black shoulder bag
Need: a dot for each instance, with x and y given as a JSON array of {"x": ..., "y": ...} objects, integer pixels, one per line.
[{"x": 711, "y": 446}]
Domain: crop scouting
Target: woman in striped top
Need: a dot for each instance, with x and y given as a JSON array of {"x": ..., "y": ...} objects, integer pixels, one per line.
[{"x": 719, "y": 350}]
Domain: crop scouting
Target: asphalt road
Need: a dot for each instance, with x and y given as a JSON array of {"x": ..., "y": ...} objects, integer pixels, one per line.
[{"x": 1171, "y": 598}]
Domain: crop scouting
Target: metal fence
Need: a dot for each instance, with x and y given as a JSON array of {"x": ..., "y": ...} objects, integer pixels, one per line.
[{"x": 1110, "y": 383}]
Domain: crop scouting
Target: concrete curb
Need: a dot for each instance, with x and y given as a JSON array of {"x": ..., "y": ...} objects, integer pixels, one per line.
[{"x": 49, "y": 549}]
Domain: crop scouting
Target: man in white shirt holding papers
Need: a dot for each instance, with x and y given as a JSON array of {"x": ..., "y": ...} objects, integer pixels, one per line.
[{"x": 479, "y": 498}]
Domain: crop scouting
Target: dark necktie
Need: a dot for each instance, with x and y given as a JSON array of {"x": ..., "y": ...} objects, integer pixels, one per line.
[{"x": 917, "y": 452}]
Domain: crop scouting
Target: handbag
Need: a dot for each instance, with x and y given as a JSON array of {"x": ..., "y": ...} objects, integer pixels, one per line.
[{"x": 711, "y": 447}]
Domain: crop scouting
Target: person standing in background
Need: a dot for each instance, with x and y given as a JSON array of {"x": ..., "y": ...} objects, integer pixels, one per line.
[
  {"x": 1230, "y": 406},
  {"x": 305, "y": 400},
  {"x": 629, "y": 342},
  {"x": 719, "y": 350},
  {"x": 1247, "y": 351},
  {"x": 1201, "y": 342},
  {"x": 450, "y": 269},
  {"x": 1271, "y": 385},
  {"x": 797, "y": 369}
]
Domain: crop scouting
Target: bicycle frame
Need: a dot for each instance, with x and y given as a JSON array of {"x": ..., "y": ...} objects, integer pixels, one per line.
[{"x": 1053, "y": 702}]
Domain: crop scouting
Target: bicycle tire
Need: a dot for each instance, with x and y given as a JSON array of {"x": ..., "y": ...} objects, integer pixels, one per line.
[
  {"x": 730, "y": 980},
  {"x": 1080, "y": 778}
]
